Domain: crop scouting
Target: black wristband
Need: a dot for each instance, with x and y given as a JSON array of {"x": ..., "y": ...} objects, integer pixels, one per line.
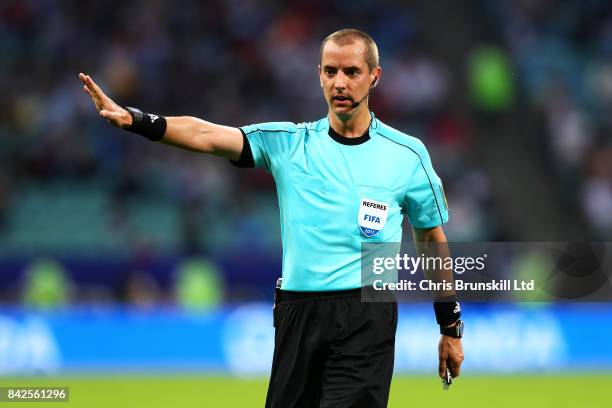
[
  {"x": 447, "y": 310},
  {"x": 153, "y": 127}
]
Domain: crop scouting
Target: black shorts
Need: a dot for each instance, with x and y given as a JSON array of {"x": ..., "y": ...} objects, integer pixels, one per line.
[{"x": 331, "y": 350}]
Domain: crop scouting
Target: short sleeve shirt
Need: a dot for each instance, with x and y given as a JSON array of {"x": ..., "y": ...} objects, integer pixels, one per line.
[{"x": 335, "y": 193}]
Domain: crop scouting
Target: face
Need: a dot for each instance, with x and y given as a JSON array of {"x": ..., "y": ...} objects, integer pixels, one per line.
[{"x": 345, "y": 76}]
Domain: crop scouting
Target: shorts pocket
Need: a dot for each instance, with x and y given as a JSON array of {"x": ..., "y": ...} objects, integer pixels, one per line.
[
  {"x": 392, "y": 314},
  {"x": 276, "y": 315}
]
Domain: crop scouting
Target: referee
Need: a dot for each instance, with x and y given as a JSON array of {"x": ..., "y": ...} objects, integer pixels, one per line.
[{"x": 331, "y": 349}]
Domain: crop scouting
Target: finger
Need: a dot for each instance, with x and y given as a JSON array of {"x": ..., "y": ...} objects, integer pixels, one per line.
[
  {"x": 101, "y": 97},
  {"x": 454, "y": 366},
  {"x": 87, "y": 81},
  {"x": 442, "y": 368},
  {"x": 95, "y": 98},
  {"x": 88, "y": 88},
  {"x": 114, "y": 116},
  {"x": 83, "y": 78},
  {"x": 94, "y": 87},
  {"x": 91, "y": 85}
]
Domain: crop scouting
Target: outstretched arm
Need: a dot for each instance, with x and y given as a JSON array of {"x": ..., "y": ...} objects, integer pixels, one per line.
[{"x": 182, "y": 131}]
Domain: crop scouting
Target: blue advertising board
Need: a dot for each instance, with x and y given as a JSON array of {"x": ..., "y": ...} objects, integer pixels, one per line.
[{"x": 239, "y": 339}]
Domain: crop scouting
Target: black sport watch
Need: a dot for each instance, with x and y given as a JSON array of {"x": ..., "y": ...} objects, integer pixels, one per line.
[{"x": 455, "y": 331}]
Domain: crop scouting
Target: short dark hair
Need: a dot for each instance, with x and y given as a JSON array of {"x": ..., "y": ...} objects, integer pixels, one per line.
[{"x": 348, "y": 36}]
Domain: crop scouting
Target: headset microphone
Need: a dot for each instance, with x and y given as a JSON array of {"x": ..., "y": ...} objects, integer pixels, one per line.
[{"x": 357, "y": 103}]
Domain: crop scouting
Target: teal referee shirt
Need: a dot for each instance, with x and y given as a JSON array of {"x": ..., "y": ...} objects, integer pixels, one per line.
[{"x": 335, "y": 193}]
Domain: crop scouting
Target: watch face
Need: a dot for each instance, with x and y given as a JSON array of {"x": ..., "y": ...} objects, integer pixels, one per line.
[
  {"x": 460, "y": 328},
  {"x": 455, "y": 331}
]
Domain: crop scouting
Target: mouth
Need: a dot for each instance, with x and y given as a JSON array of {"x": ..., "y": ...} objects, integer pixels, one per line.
[{"x": 342, "y": 100}]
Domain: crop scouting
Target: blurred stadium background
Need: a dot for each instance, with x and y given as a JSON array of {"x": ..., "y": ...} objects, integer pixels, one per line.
[{"x": 141, "y": 275}]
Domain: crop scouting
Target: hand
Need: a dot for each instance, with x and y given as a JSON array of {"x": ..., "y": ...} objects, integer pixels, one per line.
[
  {"x": 109, "y": 110},
  {"x": 450, "y": 353}
]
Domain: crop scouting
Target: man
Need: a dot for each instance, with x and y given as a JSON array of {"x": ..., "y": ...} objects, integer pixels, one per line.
[{"x": 331, "y": 349}]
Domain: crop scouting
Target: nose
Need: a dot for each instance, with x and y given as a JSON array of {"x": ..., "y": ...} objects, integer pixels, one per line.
[{"x": 340, "y": 81}]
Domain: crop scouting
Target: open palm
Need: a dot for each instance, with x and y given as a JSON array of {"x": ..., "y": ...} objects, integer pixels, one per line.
[{"x": 108, "y": 109}]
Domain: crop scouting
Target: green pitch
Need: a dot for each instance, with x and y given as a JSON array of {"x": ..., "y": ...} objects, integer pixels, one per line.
[{"x": 541, "y": 391}]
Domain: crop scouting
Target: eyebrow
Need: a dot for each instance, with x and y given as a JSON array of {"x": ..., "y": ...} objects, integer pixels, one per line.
[{"x": 352, "y": 67}]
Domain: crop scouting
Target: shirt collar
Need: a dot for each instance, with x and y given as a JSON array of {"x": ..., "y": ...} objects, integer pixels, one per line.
[{"x": 352, "y": 141}]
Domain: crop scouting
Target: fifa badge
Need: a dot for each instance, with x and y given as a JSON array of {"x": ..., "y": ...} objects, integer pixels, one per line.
[{"x": 372, "y": 216}]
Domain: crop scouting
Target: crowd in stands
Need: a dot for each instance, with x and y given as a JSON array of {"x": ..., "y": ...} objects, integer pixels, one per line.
[
  {"x": 231, "y": 63},
  {"x": 71, "y": 184},
  {"x": 563, "y": 55}
]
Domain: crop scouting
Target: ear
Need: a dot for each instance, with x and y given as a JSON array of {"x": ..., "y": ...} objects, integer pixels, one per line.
[
  {"x": 319, "y": 72},
  {"x": 376, "y": 73}
]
